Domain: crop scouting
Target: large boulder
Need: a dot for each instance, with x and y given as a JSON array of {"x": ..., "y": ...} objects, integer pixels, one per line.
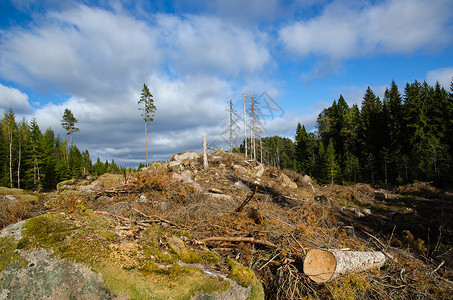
[
  {"x": 183, "y": 158},
  {"x": 90, "y": 256}
]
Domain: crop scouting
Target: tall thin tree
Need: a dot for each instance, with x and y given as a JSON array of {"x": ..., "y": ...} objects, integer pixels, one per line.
[
  {"x": 68, "y": 123},
  {"x": 148, "y": 108}
]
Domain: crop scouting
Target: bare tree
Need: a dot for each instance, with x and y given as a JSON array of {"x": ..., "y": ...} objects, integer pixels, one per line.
[
  {"x": 255, "y": 122},
  {"x": 245, "y": 124}
]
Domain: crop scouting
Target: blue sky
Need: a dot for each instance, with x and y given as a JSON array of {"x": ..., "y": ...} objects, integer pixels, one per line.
[{"x": 94, "y": 56}]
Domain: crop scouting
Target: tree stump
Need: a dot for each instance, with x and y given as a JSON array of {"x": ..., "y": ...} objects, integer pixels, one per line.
[{"x": 324, "y": 265}]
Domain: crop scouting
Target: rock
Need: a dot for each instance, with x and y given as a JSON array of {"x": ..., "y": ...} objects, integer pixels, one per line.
[
  {"x": 380, "y": 195},
  {"x": 307, "y": 179},
  {"x": 261, "y": 169},
  {"x": 184, "y": 155},
  {"x": 143, "y": 199},
  {"x": 85, "y": 257},
  {"x": 240, "y": 169},
  {"x": 287, "y": 182},
  {"x": 242, "y": 186},
  {"x": 367, "y": 211}
]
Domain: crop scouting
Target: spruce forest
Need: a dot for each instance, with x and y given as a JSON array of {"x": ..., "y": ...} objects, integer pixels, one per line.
[
  {"x": 402, "y": 138},
  {"x": 33, "y": 160}
]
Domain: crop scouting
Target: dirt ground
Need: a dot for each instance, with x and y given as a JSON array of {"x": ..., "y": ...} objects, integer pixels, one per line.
[{"x": 268, "y": 219}]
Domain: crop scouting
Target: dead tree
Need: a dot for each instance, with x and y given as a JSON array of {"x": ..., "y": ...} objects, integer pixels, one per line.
[{"x": 245, "y": 125}]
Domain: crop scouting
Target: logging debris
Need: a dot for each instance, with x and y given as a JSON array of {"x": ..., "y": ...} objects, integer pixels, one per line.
[{"x": 275, "y": 233}]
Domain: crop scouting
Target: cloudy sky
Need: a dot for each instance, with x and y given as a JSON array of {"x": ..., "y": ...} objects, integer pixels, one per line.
[{"x": 93, "y": 57}]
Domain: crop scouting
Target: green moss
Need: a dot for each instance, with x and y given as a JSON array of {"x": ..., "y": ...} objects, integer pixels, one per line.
[
  {"x": 245, "y": 277},
  {"x": 210, "y": 258},
  {"x": 189, "y": 257},
  {"x": 8, "y": 256},
  {"x": 140, "y": 269},
  {"x": 350, "y": 287},
  {"x": 61, "y": 185}
]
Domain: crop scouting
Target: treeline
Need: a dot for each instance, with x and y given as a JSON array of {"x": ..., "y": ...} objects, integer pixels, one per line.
[
  {"x": 30, "y": 159},
  {"x": 399, "y": 139}
]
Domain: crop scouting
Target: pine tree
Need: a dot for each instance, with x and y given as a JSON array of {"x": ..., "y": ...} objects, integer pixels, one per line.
[
  {"x": 68, "y": 123},
  {"x": 148, "y": 108}
]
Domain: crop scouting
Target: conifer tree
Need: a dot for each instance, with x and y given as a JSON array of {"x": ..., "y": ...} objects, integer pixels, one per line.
[
  {"x": 68, "y": 123},
  {"x": 148, "y": 108},
  {"x": 331, "y": 162}
]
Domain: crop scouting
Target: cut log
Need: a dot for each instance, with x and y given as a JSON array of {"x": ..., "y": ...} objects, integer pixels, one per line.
[{"x": 324, "y": 265}]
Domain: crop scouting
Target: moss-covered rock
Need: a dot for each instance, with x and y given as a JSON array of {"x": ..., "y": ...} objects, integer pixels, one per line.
[{"x": 85, "y": 255}]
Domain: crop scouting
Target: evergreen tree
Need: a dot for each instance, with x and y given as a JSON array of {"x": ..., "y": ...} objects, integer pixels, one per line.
[
  {"x": 331, "y": 163},
  {"x": 321, "y": 163},
  {"x": 372, "y": 131},
  {"x": 49, "y": 174},
  {"x": 9, "y": 132},
  {"x": 68, "y": 122},
  {"x": 35, "y": 153}
]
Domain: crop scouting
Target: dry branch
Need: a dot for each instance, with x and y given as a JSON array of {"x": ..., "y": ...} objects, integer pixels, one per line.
[
  {"x": 324, "y": 265},
  {"x": 99, "y": 212},
  {"x": 240, "y": 239},
  {"x": 247, "y": 200}
]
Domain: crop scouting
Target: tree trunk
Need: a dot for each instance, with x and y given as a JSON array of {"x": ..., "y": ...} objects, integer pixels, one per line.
[
  {"x": 231, "y": 125},
  {"x": 261, "y": 148},
  {"x": 11, "y": 162},
  {"x": 70, "y": 136},
  {"x": 205, "y": 153},
  {"x": 245, "y": 128},
  {"x": 146, "y": 145},
  {"x": 324, "y": 265},
  {"x": 18, "y": 163}
]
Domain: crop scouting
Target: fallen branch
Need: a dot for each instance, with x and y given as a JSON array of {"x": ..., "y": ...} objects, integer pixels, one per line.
[
  {"x": 240, "y": 239},
  {"x": 99, "y": 212},
  {"x": 269, "y": 261},
  {"x": 158, "y": 219}
]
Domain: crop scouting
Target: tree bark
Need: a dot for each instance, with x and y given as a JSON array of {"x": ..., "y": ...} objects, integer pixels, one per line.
[
  {"x": 205, "y": 153},
  {"x": 231, "y": 125},
  {"x": 324, "y": 265},
  {"x": 146, "y": 144},
  {"x": 245, "y": 127}
]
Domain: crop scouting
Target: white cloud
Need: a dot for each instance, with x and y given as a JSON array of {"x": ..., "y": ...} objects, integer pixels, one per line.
[
  {"x": 346, "y": 29},
  {"x": 11, "y": 97},
  {"x": 83, "y": 51},
  {"x": 444, "y": 76},
  {"x": 186, "y": 110},
  {"x": 198, "y": 44}
]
